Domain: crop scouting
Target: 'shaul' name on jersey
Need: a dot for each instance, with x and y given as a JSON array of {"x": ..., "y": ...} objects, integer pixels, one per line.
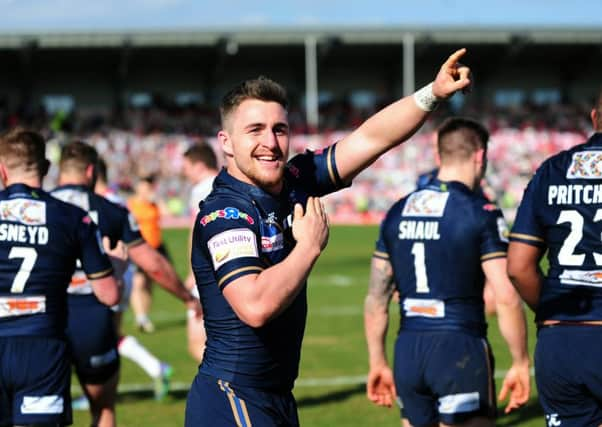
[
  {"x": 575, "y": 194},
  {"x": 23, "y": 234},
  {"x": 419, "y": 230}
]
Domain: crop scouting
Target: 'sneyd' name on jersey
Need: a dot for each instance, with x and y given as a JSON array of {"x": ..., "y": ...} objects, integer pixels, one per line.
[
  {"x": 113, "y": 221},
  {"x": 40, "y": 240},
  {"x": 436, "y": 239},
  {"x": 242, "y": 230},
  {"x": 561, "y": 211}
]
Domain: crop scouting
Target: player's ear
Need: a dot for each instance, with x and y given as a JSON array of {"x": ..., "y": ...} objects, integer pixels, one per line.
[
  {"x": 90, "y": 172},
  {"x": 226, "y": 142},
  {"x": 3, "y": 174},
  {"x": 594, "y": 116}
]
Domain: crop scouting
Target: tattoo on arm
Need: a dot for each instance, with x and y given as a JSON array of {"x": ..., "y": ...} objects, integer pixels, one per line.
[{"x": 381, "y": 285}]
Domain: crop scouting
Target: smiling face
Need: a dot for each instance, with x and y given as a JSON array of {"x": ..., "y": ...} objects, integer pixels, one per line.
[{"x": 255, "y": 140}]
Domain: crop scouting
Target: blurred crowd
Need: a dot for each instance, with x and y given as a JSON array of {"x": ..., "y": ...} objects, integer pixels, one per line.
[{"x": 151, "y": 141}]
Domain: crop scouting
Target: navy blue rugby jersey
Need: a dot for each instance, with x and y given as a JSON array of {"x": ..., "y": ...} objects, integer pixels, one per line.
[
  {"x": 242, "y": 230},
  {"x": 113, "y": 221},
  {"x": 561, "y": 211},
  {"x": 424, "y": 179},
  {"x": 40, "y": 240},
  {"x": 436, "y": 239}
]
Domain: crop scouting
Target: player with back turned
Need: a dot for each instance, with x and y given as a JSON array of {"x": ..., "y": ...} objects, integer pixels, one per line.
[
  {"x": 560, "y": 213},
  {"x": 436, "y": 246},
  {"x": 91, "y": 329},
  {"x": 258, "y": 235},
  {"x": 41, "y": 238}
]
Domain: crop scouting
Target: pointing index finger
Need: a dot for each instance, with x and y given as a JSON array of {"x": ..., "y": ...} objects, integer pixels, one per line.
[{"x": 454, "y": 58}]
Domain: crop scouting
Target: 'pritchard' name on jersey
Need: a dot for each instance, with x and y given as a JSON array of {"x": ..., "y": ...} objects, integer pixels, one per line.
[
  {"x": 241, "y": 230},
  {"x": 113, "y": 220},
  {"x": 561, "y": 210},
  {"x": 436, "y": 239},
  {"x": 40, "y": 240}
]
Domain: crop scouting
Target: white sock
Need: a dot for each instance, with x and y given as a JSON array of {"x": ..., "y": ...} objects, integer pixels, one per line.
[
  {"x": 142, "y": 319},
  {"x": 132, "y": 349}
]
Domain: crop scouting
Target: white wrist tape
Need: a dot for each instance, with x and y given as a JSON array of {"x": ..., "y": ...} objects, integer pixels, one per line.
[{"x": 425, "y": 99}]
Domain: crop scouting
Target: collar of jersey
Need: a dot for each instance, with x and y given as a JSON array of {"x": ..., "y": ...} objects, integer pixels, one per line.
[
  {"x": 444, "y": 186},
  {"x": 254, "y": 192},
  {"x": 81, "y": 187},
  {"x": 20, "y": 188},
  {"x": 595, "y": 139}
]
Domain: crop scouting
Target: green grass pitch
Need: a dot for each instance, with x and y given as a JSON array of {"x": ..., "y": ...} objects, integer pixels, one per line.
[{"x": 334, "y": 348}]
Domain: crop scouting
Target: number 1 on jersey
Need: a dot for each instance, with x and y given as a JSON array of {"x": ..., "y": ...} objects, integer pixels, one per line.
[
  {"x": 422, "y": 286},
  {"x": 29, "y": 256}
]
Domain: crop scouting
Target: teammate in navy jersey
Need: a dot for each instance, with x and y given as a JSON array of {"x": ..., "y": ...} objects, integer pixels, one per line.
[
  {"x": 257, "y": 236},
  {"x": 91, "y": 329},
  {"x": 436, "y": 246},
  {"x": 40, "y": 240},
  {"x": 559, "y": 214},
  {"x": 422, "y": 181}
]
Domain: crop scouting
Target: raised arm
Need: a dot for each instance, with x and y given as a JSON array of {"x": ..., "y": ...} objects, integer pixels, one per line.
[
  {"x": 524, "y": 271},
  {"x": 513, "y": 326},
  {"x": 258, "y": 298},
  {"x": 380, "y": 386},
  {"x": 398, "y": 121}
]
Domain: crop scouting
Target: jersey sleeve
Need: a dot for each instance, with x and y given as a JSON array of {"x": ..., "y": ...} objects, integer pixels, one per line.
[
  {"x": 227, "y": 233},
  {"x": 95, "y": 262},
  {"x": 316, "y": 171},
  {"x": 380, "y": 251},
  {"x": 494, "y": 238},
  {"x": 527, "y": 228}
]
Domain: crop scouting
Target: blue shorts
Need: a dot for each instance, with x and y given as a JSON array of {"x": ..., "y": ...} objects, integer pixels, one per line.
[
  {"x": 213, "y": 402},
  {"x": 35, "y": 377},
  {"x": 444, "y": 377},
  {"x": 92, "y": 339},
  {"x": 568, "y": 374}
]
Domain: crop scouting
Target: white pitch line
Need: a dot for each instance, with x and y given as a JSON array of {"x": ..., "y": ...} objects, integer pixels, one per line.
[{"x": 301, "y": 382}]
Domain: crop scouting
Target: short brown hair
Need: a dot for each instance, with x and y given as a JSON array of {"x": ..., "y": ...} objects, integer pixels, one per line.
[
  {"x": 77, "y": 156},
  {"x": 261, "y": 88},
  {"x": 460, "y": 137},
  {"x": 24, "y": 150},
  {"x": 202, "y": 153}
]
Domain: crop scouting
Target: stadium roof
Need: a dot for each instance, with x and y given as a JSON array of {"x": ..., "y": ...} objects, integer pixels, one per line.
[{"x": 278, "y": 36}]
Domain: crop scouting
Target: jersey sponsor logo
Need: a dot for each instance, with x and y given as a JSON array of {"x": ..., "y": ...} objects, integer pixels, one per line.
[
  {"x": 502, "y": 229},
  {"x": 80, "y": 285},
  {"x": 227, "y": 213},
  {"x": 25, "y": 211},
  {"x": 591, "y": 278},
  {"x": 51, "y": 404},
  {"x": 460, "y": 402},
  {"x": 74, "y": 197},
  {"x": 431, "y": 308},
  {"x": 426, "y": 203},
  {"x": 585, "y": 165},
  {"x": 272, "y": 243},
  {"x": 419, "y": 230},
  {"x": 21, "y": 306},
  {"x": 232, "y": 244}
]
